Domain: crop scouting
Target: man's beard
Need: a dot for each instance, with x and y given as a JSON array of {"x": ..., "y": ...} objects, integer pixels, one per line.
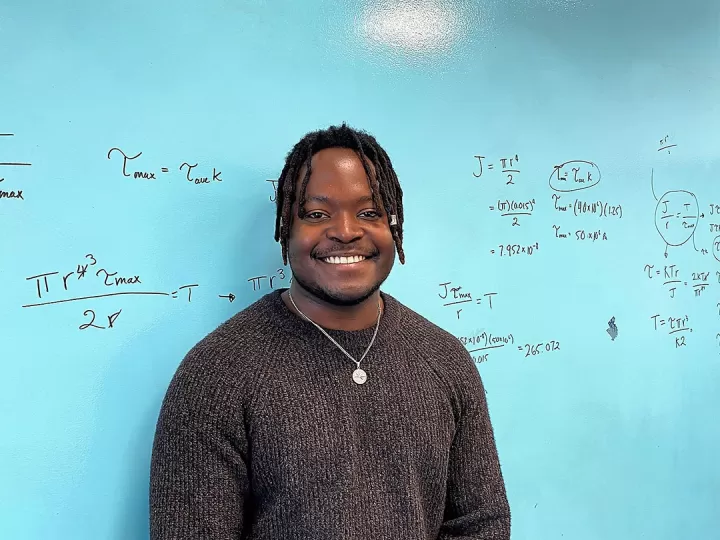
[{"x": 336, "y": 298}]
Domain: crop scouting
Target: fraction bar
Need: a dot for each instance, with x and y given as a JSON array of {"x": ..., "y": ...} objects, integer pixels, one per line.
[
  {"x": 95, "y": 296},
  {"x": 458, "y": 302},
  {"x": 486, "y": 348}
]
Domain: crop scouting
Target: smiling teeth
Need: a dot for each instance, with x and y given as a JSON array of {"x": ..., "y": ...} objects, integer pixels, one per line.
[{"x": 344, "y": 260}]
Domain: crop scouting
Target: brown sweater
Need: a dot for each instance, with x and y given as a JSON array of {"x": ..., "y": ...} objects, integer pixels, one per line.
[{"x": 264, "y": 435}]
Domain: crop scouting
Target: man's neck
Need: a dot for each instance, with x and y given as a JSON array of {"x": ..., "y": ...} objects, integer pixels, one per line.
[{"x": 356, "y": 317}]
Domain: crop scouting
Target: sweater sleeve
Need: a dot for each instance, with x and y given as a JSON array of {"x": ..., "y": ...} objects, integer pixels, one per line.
[
  {"x": 476, "y": 503},
  {"x": 199, "y": 484}
]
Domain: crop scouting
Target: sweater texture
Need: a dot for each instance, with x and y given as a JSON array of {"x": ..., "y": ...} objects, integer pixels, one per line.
[{"x": 263, "y": 434}]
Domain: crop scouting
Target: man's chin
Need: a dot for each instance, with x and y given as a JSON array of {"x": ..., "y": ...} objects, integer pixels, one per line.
[
  {"x": 339, "y": 296},
  {"x": 347, "y": 297}
]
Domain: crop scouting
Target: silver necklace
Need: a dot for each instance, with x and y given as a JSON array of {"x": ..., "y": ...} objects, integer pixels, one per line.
[{"x": 359, "y": 376}]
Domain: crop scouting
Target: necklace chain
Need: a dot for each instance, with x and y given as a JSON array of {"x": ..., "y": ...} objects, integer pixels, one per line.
[{"x": 377, "y": 325}]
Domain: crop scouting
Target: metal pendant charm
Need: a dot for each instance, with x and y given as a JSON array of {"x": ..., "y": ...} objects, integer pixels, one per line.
[{"x": 359, "y": 376}]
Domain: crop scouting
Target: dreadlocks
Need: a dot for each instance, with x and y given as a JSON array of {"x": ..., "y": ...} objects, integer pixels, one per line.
[{"x": 384, "y": 183}]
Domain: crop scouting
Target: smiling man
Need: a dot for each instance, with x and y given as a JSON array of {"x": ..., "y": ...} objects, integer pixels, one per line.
[{"x": 329, "y": 410}]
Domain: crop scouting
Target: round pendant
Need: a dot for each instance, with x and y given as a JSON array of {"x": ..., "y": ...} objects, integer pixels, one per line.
[{"x": 359, "y": 376}]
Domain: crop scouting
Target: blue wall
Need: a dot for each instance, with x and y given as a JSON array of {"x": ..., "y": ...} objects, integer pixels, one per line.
[{"x": 602, "y": 108}]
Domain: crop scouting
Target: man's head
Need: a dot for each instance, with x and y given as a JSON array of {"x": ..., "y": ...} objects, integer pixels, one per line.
[{"x": 336, "y": 197}]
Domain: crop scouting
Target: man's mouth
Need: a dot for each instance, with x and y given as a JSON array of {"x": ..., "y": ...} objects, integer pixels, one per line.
[{"x": 352, "y": 259}]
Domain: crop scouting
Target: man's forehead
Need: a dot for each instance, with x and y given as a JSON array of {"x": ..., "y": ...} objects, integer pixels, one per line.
[
  {"x": 334, "y": 163},
  {"x": 336, "y": 158}
]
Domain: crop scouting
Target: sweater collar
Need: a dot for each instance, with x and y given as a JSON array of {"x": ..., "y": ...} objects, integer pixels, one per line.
[{"x": 296, "y": 325}]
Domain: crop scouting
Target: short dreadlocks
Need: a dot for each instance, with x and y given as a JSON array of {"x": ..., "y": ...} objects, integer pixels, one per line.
[{"x": 383, "y": 185}]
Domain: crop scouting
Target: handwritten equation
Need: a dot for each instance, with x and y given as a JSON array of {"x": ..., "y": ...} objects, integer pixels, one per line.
[
  {"x": 267, "y": 281},
  {"x": 481, "y": 344},
  {"x": 510, "y": 250},
  {"x": 673, "y": 326},
  {"x": 569, "y": 176},
  {"x": 577, "y": 214},
  {"x": 456, "y": 296},
  {"x": 678, "y": 215},
  {"x": 678, "y": 221},
  {"x": 508, "y": 167},
  {"x": 108, "y": 282},
  {"x": 129, "y": 169},
  {"x": 264, "y": 283},
  {"x": 672, "y": 278},
  {"x": 581, "y": 234},
  {"x": 574, "y": 176},
  {"x": 666, "y": 144},
  {"x": 514, "y": 209},
  {"x": 9, "y": 194},
  {"x": 579, "y": 207}
]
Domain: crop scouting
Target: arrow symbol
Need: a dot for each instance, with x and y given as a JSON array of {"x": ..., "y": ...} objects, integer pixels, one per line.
[{"x": 230, "y": 296}]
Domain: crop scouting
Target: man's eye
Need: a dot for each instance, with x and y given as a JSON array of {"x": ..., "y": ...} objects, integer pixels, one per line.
[
  {"x": 314, "y": 215},
  {"x": 370, "y": 214}
]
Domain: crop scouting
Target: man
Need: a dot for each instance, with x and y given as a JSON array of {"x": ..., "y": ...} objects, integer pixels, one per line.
[{"x": 329, "y": 410}]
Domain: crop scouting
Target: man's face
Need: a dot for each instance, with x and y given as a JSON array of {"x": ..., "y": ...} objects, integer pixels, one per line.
[{"x": 340, "y": 221}]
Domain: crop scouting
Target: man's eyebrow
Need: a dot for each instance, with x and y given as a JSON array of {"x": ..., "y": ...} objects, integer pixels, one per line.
[{"x": 325, "y": 199}]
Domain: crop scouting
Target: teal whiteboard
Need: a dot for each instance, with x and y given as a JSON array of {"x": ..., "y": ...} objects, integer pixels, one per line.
[{"x": 560, "y": 162}]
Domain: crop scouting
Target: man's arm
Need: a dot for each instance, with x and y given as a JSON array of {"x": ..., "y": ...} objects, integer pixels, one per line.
[
  {"x": 198, "y": 478},
  {"x": 476, "y": 506}
]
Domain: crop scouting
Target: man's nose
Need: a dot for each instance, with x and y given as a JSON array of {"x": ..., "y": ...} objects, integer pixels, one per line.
[{"x": 345, "y": 228}]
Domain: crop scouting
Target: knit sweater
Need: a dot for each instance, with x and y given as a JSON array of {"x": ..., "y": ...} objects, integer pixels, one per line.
[{"x": 263, "y": 434}]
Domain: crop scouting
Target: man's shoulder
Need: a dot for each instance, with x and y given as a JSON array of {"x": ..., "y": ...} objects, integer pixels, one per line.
[
  {"x": 441, "y": 352},
  {"x": 235, "y": 343},
  {"x": 249, "y": 327},
  {"x": 421, "y": 332}
]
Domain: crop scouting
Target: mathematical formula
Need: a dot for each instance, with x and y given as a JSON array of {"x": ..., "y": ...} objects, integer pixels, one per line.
[
  {"x": 673, "y": 326},
  {"x": 481, "y": 344},
  {"x": 108, "y": 282},
  {"x": 514, "y": 209},
  {"x": 580, "y": 234},
  {"x": 508, "y": 165},
  {"x": 579, "y": 207},
  {"x": 455, "y": 297},
  {"x": 672, "y": 278},
  {"x": 509, "y": 250},
  {"x": 130, "y": 170},
  {"x": 569, "y": 176},
  {"x": 577, "y": 217}
]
